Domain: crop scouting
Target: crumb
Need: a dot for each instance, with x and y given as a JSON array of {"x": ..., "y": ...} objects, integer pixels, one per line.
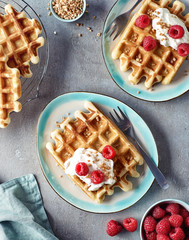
[
  {"x": 79, "y": 35},
  {"x": 39, "y": 15},
  {"x": 57, "y": 164},
  {"x": 150, "y": 89},
  {"x": 49, "y": 13},
  {"x": 86, "y": 11},
  {"x": 48, "y": 4},
  {"x": 48, "y": 8},
  {"x": 138, "y": 92},
  {"x": 99, "y": 34},
  {"x": 54, "y": 32},
  {"x": 94, "y": 17},
  {"x": 61, "y": 176},
  {"x": 87, "y": 5}
]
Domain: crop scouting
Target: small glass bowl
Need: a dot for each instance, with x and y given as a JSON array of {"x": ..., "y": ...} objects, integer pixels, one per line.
[
  {"x": 162, "y": 202},
  {"x": 67, "y": 20}
]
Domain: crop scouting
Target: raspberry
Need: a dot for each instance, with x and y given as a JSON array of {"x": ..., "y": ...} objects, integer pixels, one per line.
[
  {"x": 149, "y": 43},
  {"x": 162, "y": 237},
  {"x": 163, "y": 227},
  {"x": 149, "y": 224},
  {"x": 108, "y": 152},
  {"x": 176, "y": 31},
  {"x": 183, "y": 49},
  {"x": 173, "y": 208},
  {"x": 177, "y": 234},
  {"x": 184, "y": 213},
  {"x": 186, "y": 221},
  {"x": 113, "y": 228},
  {"x": 151, "y": 236},
  {"x": 97, "y": 177},
  {"x": 158, "y": 212},
  {"x": 142, "y": 21},
  {"x": 130, "y": 224},
  {"x": 82, "y": 169},
  {"x": 166, "y": 217},
  {"x": 176, "y": 220}
]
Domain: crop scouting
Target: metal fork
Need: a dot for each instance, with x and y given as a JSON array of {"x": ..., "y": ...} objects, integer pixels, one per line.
[
  {"x": 126, "y": 126},
  {"x": 119, "y": 22}
]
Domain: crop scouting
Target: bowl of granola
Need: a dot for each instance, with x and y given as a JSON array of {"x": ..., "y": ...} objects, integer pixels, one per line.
[{"x": 68, "y": 10}]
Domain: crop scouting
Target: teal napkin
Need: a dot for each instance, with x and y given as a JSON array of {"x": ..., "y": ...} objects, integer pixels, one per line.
[{"x": 22, "y": 215}]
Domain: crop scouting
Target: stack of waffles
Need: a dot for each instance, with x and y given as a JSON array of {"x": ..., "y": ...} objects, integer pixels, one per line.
[
  {"x": 159, "y": 65},
  {"x": 94, "y": 130},
  {"x": 19, "y": 43}
]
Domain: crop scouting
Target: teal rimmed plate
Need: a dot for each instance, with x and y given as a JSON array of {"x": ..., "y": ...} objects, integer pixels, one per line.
[
  {"x": 67, "y": 104},
  {"x": 159, "y": 93}
]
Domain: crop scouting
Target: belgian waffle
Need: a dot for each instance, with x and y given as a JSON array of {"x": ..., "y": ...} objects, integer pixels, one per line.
[
  {"x": 94, "y": 130},
  {"x": 158, "y": 65},
  {"x": 20, "y": 41},
  {"x": 10, "y": 90}
]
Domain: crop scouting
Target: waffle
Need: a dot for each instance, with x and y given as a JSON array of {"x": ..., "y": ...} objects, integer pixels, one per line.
[
  {"x": 94, "y": 130},
  {"x": 20, "y": 41},
  {"x": 10, "y": 90},
  {"x": 158, "y": 65}
]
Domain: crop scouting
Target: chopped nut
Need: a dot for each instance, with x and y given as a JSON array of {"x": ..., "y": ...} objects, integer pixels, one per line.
[
  {"x": 48, "y": 4},
  {"x": 48, "y": 8},
  {"x": 86, "y": 11},
  {"x": 87, "y": 5},
  {"x": 49, "y": 13},
  {"x": 68, "y": 9},
  {"x": 99, "y": 34},
  {"x": 79, "y": 35}
]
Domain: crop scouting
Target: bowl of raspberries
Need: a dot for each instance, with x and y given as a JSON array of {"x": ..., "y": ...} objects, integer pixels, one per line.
[{"x": 166, "y": 220}]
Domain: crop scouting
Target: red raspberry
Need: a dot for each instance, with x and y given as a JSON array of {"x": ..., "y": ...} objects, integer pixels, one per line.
[
  {"x": 113, "y": 228},
  {"x": 97, "y": 177},
  {"x": 130, "y": 224},
  {"x": 163, "y": 227},
  {"x": 176, "y": 220},
  {"x": 142, "y": 21},
  {"x": 186, "y": 221},
  {"x": 82, "y": 169},
  {"x": 149, "y": 224},
  {"x": 158, "y": 212},
  {"x": 177, "y": 234},
  {"x": 173, "y": 208},
  {"x": 176, "y": 31},
  {"x": 184, "y": 213},
  {"x": 183, "y": 49},
  {"x": 162, "y": 237},
  {"x": 108, "y": 152},
  {"x": 151, "y": 236},
  {"x": 166, "y": 217},
  {"x": 149, "y": 43}
]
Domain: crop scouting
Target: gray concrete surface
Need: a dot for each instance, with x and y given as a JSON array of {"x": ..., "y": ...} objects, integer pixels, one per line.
[{"x": 77, "y": 64}]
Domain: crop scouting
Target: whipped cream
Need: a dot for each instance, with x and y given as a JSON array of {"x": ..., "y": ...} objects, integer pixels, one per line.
[
  {"x": 162, "y": 22},
  {"x": 95, "y": 161}
]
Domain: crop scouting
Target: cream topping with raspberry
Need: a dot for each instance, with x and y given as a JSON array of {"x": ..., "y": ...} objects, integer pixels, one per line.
[
  {"x": 95, "y": 161},
  {"x": 162, "y": 22}
]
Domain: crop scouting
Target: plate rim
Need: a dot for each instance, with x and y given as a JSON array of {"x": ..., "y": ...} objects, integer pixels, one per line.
[
  {"x": 104, "y": 58},
  {"x": 43, "y": 171}
]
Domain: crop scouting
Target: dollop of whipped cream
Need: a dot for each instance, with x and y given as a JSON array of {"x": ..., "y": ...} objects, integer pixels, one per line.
[
  {"x": 162, "y": 22},
  {"x": 95, "y": 161}
]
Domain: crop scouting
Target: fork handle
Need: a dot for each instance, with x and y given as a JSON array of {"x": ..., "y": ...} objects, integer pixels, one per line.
[
  {"x": 160, "y": 178},
  {"x": 137, "y": 2}
]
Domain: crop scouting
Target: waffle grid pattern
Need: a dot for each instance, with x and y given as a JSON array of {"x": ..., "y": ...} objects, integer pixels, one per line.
[
  {"x": 158, "y": 65},
  {"x": 19, "y": 38},
  {"x": 10, "y": 90},
  {"x": 94, "y": 130}
]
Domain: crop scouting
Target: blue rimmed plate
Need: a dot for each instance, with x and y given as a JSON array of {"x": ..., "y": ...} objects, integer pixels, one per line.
[
  {"x": 67, "y": 104},
  {"x": 179, "y": 85}
]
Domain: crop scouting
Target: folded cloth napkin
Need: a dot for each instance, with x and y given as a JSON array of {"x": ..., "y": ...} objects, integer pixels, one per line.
[{"x": 22, "y": 215}]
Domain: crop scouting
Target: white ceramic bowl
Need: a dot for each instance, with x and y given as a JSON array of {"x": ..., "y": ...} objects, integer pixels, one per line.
[{"x": 164, "y": 201}]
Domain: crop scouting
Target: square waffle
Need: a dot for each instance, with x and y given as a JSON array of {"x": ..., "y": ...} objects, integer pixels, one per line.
[
  {"x": 20, "y": 41},
  {"x": 94, "y": 130},
  {"x": 159, "y": 65},
  {"x": 10, "y": 90}
]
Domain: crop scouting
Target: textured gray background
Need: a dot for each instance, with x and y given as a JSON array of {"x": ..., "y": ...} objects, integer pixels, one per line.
[{"x": 77, "y": 64}]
